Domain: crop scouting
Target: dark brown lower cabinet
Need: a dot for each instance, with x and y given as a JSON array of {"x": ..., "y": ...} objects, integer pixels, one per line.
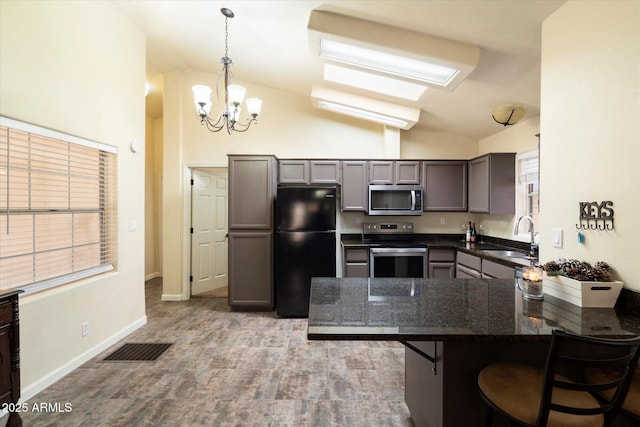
[{"x": 10, "y": 355}]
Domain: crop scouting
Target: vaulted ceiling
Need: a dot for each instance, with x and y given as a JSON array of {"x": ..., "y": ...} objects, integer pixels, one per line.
[{"x": 270, "y": 46}]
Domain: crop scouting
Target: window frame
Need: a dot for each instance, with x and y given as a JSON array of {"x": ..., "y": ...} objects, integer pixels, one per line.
[
  {"x": 107, "y": 212},
  {"x": 527, "y": 192}
]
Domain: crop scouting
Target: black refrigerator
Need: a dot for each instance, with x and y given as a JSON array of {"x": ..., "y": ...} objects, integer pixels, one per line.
[{"x": 305, "y": 245}]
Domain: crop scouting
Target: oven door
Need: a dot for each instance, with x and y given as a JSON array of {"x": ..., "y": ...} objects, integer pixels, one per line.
[{"x": 398, "y": 262}]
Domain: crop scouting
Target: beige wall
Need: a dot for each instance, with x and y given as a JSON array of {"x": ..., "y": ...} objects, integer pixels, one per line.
[
  {"x": 79, "y": 68},
  {"x": 590, "y": 127},
  {"x": 422, "y": 143},
  {"x": 150, "y": 211}
]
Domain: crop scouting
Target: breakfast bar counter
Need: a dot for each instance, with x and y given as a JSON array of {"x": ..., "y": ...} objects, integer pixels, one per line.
[{"x": 451, "y": 328}]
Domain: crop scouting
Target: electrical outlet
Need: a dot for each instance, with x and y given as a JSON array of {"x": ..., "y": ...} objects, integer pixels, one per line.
[
  {"x": 442, "y": 221},
  {"x": 85, "y": 329}
]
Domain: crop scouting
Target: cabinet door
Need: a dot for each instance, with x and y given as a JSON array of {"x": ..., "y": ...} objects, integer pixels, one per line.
[
  {"x": 325, "y": 171},
  {"x": 5, "y": 362},
  {"x": 502, "y": 184},
  {"x": 479, "y": 185},
  {"x": 355, "y": 189},
  {"x": 250, "y": 269},
  {"x": 407, "y": 172},
  {"x": 251, "y": 192},
  {"x": 468, "y": 266},
  {"x": 293, "y": 171},
  {"x": 492, "y": 184},
  {"x": 442, "y": 270},
  {"x": 381, "y": 172},
  {"x": 445, "y": 185}
]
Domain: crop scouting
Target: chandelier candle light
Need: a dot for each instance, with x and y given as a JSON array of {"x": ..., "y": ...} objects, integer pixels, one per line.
[{"x": 233, "y": 95}]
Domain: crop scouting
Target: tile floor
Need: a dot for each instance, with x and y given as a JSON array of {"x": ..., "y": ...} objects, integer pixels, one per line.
[{"x": 231, "y": 369}]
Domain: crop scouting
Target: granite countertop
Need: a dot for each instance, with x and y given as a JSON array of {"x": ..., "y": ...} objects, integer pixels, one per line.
[
  {"x": 449, "y": 310},
  {"x": 456, "y": 242}
]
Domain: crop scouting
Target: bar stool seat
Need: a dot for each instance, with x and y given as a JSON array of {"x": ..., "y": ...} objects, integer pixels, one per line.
[
  {"x": 559, "y": 394},
  {"x": 515, "y": 389},
  {"x": 631, "y": 404}
]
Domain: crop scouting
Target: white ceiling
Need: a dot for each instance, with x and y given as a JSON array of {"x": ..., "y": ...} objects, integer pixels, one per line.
[{"x": 269, "y": 45}]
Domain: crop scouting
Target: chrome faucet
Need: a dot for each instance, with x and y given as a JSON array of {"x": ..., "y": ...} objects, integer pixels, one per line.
[{"x": 533, "y": 250}]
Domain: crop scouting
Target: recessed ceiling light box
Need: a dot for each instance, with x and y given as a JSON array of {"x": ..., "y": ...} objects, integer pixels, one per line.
[
  {"x": 375, "y": 110},
  {"x": 384, "y": 49}
]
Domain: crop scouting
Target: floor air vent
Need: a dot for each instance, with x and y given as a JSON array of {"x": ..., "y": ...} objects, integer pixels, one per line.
[{"x": 137, "y": 352}]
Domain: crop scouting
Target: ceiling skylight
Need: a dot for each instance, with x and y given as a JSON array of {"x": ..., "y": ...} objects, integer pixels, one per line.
[
  {"x": 371, "y": 109},
  {"x": 380, "y": 61},
  {"x": 386, "y": 50},
  {"x": 373, "y": 82},
  {"x": 362, "y": 114}
]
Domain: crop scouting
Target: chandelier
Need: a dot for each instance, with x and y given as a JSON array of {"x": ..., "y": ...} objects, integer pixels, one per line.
[{"x": 229, "y": 117}]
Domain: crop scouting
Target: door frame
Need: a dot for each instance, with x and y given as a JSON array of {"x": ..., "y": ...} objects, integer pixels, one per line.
[{"x": 186, "y": 221}]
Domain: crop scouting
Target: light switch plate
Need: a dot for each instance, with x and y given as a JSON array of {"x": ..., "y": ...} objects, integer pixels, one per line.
[{"x": 556, "y": 236}]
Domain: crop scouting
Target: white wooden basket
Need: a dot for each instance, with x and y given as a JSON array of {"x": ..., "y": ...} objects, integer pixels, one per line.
[{"x": 582, "y": 294}]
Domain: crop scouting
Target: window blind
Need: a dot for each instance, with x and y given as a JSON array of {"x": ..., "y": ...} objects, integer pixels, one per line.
[
  {"x": 529, "y": 170},
  {"x": 57, "y": 207}
]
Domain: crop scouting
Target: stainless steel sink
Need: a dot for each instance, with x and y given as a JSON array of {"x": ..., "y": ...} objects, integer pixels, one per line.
[{"x": 506, "y": 253}]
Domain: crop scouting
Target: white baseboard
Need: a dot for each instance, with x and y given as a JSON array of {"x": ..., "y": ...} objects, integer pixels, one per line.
[
  {"x": 172, "y": 297},
  {"x": 35, "y": 388},
  {"x": 152, "y": 276}
]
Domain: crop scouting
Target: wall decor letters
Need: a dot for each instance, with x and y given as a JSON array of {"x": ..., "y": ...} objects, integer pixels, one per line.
[{"x": 596, "y": 216}]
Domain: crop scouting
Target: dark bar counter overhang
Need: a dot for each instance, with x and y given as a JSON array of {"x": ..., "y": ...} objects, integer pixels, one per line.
[{"x": 451, "y": 329}]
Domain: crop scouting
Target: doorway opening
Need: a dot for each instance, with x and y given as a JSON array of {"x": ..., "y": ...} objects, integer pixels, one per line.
[{"x": 209, "y": 230}]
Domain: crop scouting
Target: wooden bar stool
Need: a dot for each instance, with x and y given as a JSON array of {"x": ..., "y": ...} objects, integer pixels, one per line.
[
  {"x": 557, "y": 394},
  {"x": 631, "y": 405}
]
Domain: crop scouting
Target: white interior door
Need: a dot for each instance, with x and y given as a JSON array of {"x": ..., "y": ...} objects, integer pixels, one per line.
[{"x": 209, "y": 223}]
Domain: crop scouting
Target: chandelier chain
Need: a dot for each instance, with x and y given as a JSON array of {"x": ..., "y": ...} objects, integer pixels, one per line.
[{"x": 226, "y": 36}]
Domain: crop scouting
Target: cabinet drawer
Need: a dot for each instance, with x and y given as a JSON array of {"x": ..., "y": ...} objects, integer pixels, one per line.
[
  {"x": 497, "y": 271},
  {"x": 6, "y": 313},
  {"x": 469, "y": 260},
  {"x": 357, "y": 255},
  {"x": 441, "y": 255},
  {"x": 356, "y": 270},
  {"x": 463, "y": 272}
]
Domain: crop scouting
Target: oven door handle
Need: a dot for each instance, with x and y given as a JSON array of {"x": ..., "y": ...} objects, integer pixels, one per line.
[{"x": 399, "y": 251}]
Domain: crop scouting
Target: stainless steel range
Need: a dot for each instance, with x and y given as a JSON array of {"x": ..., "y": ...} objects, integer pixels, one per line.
[{"x": 393, "y": 251}]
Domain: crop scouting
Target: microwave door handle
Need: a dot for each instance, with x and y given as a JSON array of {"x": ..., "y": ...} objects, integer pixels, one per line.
[{"x": 413, "y": 200}]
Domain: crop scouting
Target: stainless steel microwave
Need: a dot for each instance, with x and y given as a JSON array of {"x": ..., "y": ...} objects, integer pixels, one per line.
[{"x": 395, "y": 199}]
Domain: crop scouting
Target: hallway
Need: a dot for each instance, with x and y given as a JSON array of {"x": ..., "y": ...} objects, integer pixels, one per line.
[{"x": 231, "y": 368}]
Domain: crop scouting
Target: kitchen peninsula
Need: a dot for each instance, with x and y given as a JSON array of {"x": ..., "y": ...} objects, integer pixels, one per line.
[{"x": 455, "y": 327}]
